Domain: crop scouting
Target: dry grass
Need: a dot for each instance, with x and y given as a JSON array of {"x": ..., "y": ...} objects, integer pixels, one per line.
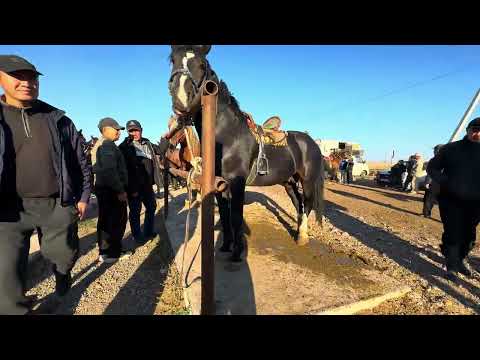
[{"x": 377, "y": 165}]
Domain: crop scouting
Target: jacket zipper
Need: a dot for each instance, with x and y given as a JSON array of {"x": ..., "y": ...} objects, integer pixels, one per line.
[{"x": 26, "y": 124}]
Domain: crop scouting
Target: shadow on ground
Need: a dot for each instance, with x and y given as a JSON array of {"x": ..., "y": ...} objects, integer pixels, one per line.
[{"x": 403, "y": 253}]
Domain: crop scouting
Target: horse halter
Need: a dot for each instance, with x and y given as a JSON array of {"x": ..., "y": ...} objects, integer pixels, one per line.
[{"x": 184, "y": 70}]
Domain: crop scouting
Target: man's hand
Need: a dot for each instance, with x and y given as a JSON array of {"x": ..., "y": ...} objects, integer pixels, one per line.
[
  {"x": 122, "y": 196},
  {"x": 82, "y": 209}
]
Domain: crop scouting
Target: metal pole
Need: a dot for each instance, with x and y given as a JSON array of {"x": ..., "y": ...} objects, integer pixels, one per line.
[
  {"x": 465, "y": 117},
  {"x": 209, "y": 111}
]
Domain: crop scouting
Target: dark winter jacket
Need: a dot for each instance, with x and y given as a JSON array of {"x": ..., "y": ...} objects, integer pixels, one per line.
[
  {"x": 72, "y": 170},
  {"x": 143, "y": 173},
  {"x": 109, "y": 167},
  {"x": 456, "y": 168}
]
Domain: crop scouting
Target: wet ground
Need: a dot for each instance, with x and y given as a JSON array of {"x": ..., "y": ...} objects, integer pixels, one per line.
[
  {"x": 277, "y": 276},
  {"x": 271, "y": 239}
]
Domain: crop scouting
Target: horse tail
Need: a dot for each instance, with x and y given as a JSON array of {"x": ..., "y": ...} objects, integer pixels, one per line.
[{"x": 318, "y": 194}]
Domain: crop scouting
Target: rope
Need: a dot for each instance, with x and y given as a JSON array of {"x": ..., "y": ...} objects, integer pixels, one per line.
[{"x": 196, "y": 170}]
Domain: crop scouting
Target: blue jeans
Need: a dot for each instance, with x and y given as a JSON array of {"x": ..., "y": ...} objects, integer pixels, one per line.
[{"x": 135, "y": 205}]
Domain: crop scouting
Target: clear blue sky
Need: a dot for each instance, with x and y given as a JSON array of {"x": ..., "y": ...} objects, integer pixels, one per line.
[{"x": 333, "y": 92}]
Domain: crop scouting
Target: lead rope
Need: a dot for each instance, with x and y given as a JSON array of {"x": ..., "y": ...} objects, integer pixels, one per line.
[{"x": 196, "y": 169}]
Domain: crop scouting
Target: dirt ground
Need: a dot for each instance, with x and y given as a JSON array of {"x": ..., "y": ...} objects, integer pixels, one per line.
[
  {"x": 147, "y": 283},
  {"x": 385, "y": 229},
  {"x": 373, "y": 239}
]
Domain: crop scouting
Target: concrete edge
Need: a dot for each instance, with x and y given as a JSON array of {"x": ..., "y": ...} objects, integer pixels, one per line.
[{"x": 367, "y": 304}]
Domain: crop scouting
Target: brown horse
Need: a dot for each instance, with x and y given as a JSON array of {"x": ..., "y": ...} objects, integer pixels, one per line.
[{"x": 179, "y": 158}]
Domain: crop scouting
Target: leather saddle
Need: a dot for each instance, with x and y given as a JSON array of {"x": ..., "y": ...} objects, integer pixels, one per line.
[{"x": 269, "y": 133}]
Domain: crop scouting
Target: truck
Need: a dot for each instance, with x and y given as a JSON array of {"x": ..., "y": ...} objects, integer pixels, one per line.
[{"x": 343, "y": 150}]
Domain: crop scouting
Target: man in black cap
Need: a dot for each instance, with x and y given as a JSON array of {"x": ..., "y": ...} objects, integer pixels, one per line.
[
  {"x": 45, "y": 183},
  {"x": 456, "y": 168},
  {"x": 143, "y": 172},
  {"x": 111, "y": 181}
]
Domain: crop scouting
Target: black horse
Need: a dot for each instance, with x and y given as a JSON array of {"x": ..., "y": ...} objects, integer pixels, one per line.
[{"x": 299, "y": 164}]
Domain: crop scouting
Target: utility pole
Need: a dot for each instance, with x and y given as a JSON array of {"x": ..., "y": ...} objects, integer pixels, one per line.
[{"x": 465, "y": 117}]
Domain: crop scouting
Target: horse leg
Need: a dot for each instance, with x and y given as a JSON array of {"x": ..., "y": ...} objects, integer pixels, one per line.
[
  {"x": 224, "y": 210},
  {"x": 297, "y": 200},
  {"x": 237, "y": 189},
  {"x": 313, "y": 200}
]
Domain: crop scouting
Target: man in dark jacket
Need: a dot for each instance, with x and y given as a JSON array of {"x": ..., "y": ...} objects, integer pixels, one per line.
[
  {"x": 45, "y": 183},
  {"x": 431, "y": 190},
  {"x": 456, "y": 168},
  {"x": 143, "y": 172},
  {"x": 111, "y": 182}
]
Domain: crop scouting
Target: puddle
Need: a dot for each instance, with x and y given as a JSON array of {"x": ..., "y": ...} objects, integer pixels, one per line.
[{"x": 268, "y": 239}]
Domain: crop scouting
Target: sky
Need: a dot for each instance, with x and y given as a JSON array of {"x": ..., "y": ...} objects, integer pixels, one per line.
[{"x": 402, "y": 98}]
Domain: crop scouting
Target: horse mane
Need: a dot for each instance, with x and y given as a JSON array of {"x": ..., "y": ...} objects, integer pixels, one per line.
[{"x": 227, "y": 98}]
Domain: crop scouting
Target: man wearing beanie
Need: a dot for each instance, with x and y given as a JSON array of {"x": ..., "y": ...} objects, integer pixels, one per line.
[
  {"x": 45, "y": 183},
  {"x": 456, "y": 168}
]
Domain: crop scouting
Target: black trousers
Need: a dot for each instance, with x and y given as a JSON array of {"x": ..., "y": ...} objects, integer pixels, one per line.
[
  {"x": 148, "y": 199},
  {"x": 428, "y": 202},
  {"x": 112, "y": 221},
  {"x": 59, "y": 228},
  {"x": 349, "y": 176},
  {"x": 460, "y": 220}
]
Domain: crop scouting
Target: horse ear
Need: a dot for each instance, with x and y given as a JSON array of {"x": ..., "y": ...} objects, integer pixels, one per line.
[
  {"x": 205, "y": 49},
  {"x": 175, "y": 48},
  {"x": 202, "y": 49}
]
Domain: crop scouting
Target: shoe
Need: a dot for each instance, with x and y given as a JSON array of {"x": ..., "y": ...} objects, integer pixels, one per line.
[
  {"x": 63, "y": 282},
  {"x": 140, "y": 240},
  {"x": 465, "y": 269},
  {"x": 30, "y": 301},
  {"x": 107, "y": 259},
  {"x": 125, "y": 255},
  {"x": 452, "y": 275}
]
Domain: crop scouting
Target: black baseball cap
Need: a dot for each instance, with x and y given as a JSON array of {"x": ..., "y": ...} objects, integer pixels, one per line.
[
  {"x": 475, "y": 123},
  {"x": 109, "y": 122},
  {"x": 133, "y": 125},
  {"x": 11, "y": 63}
]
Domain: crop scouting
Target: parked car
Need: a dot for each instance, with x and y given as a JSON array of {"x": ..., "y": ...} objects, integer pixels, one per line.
[{"x": 383, "y": 178}]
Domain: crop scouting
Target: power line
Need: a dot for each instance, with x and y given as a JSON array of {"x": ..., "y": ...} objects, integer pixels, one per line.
[{"x": 408, "y": 87}]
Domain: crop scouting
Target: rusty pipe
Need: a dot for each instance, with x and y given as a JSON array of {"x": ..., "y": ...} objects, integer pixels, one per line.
[
  {"x": 210, "y": 88},
  {"x": 220, "y": 184},
  {"x": 209, "y": 112}
]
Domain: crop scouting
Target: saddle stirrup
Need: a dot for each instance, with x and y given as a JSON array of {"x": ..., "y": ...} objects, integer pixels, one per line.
[{"x": 262, "y": 161}]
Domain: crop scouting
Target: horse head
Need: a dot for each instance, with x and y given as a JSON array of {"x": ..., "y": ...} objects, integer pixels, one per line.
[{"x": 190, "y": 70}]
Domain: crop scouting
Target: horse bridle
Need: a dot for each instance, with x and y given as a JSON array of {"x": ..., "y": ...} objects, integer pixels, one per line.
[{"x": 184, "y": 70}]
